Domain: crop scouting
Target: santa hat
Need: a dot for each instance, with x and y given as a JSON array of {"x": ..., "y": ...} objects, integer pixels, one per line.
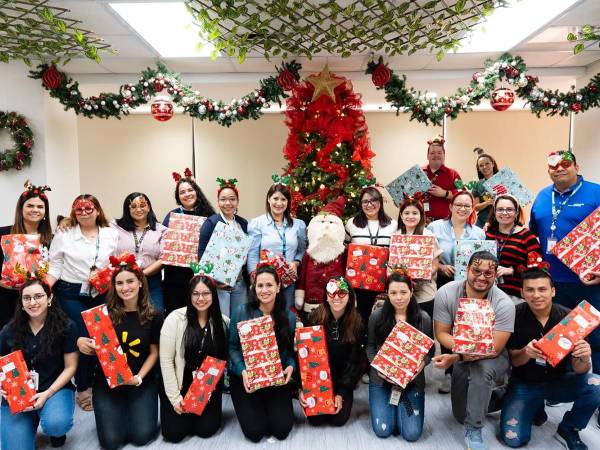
[{"x": 335, "y": 207}]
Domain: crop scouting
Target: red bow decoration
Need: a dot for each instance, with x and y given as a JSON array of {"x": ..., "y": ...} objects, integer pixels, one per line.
[
  {"x": 534, "y": 262},
  {"x": 187, "y": 173},
  {"x": 125, "y": 260},
  {"x": 437, "y": 140},
  {"x": 418, "y": 196}
]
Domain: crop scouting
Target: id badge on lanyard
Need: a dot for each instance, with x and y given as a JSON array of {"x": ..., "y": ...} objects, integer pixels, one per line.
[{"x": 552, "y": 240}]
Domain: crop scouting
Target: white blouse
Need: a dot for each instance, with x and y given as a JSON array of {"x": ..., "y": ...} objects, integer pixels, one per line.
[{"x": 372, "y": 234}]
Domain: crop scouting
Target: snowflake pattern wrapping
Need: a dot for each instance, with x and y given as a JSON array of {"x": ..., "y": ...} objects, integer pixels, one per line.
[
  {"x": 206, "y": 379},
  {"x": 463, "y": 251},
  {"x": 16, "y": 382},
  {"x": 180, "y": 242},
  {"x": 411, "y": 182},
  {"x": 514, "y": 186}
]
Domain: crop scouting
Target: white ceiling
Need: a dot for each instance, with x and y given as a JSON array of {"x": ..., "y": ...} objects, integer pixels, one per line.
[{"x": 133, "y": 53}]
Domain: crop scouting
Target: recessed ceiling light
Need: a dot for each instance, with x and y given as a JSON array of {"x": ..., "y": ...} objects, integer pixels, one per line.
[
  {"x": 506, "y": 27},
  {"x": 168, "y": 27}
]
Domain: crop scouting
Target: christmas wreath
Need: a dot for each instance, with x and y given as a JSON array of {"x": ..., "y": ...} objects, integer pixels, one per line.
[
  {"x": 20, "y": 154},
  {"x": 427, "y": 108},
  {"x": 161, "y": 80}
]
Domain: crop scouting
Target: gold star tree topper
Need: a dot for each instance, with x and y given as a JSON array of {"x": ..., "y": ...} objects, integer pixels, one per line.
[{"x": 324, "y": 84}]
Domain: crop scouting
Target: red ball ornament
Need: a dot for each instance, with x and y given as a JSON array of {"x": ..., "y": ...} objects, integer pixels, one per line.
[
  {"x": 511, "y": 72},
  {"x": 502, "y": 99},
  {"x": 531, "y": 79},
  {"x": 162, "y": 110},
  {"x": 592, "y": 88},
  {"x": 286, "y": 80},
  {"x": 576, "y": 107},
  {"x": 51, "y": 77},
  {"x": 381, "y": 75},
  {"x": 475, "y": 76},
  {"x": 158, "y": 86},
  {"x": 241, "y": 111},
  {"x": 448, "y": 110}
]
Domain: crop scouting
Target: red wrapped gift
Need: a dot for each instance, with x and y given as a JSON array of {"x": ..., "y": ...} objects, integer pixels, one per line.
[
  {"x": 180, "y": 241},
  {"x": 315, "y": 374},
  {"x": 580, "y": 248},
  {"x": 560, "y": 340},
  {"x": 100, "y": 280},
  {"x": 402, "y": 353},
  {"x": 366, "y": 267},
  {"x": 416, "y": 253},
  {"x": 111, "y": 357},
  {"x": 206, "y": 380},
  {"x": 22, "y": 254},
  {"x": 473, "y": 329},
  {"x": 16, "y": 382},
  {"x": 281, "y": 266},
  {"x": 261, "y": 355}
]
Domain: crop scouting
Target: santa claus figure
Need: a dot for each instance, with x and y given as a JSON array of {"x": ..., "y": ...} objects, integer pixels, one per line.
[{"x": 325, "y": 256}]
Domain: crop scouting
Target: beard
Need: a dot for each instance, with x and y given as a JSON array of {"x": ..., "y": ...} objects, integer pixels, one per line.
[{"x": 326, "y": 248}]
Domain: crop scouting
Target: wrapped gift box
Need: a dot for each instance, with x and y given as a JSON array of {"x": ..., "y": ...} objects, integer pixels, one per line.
[
  {"x": 16, "y": 382},
  {"x": 416, "y": 253},
  {"x": 410, "y": 182},
  {"x": 580, "y": 248},
  {"x": 560, "y": 340},
  {"x": 281, "y": 266},
  {"x": 206, "y": 380},
  {"x": 463, "y": 251},
  {"x": 402, "y": 353},
  {"x": 25, "y": 251},
  {"x": 507, "y": 178},
  {"x": 473, "y": 328},
  {"x": 110, "y": 354},
  {"x": 226, "y": 251},
  {"x": 100, "y": 280},
  {"x": 315, "y": 374},
  {"x": 366, "y": 266},
  {"x": 261, "y": 355},
  {"x": 179, "y": 245}
]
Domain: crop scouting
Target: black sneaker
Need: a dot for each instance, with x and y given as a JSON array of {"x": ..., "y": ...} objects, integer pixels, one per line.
[
  {"x": 540, "y": 417},
  {"x": 58, "y": 441},
  {"x": 569, "y": 437}
]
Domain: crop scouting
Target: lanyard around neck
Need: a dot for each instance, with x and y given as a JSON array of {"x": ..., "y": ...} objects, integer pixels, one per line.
[
  {"x": 282, "y": 236},
  {"x": 557, "y": 210},
  {"x": 374, "y": 240}
]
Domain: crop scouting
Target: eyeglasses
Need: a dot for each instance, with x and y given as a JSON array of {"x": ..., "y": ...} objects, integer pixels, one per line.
[
  {"x": 340, "y": 293},
  {"x": 205, "y": 295},
  {"x": 564, "y": 164},
  {"x": 487, "y": 274},
  {"x": 372, "y": 202},
  {"x": 461, "y": 206},
  {"x": 84, "y": 211},
  {"x": 509, "y": 211},
  {"x": 37, "y": 298}
]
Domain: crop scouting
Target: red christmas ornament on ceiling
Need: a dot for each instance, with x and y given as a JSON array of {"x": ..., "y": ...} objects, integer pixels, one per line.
[
  {"x": 51, "y": 77},
  {"x": 502, "y": 99},
  {"x": 162, "y": 109}
]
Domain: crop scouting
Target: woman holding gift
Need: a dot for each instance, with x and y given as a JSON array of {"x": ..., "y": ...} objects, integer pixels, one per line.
[
  {"x": 228, "y": 198},
  {"x": 344, "y": 332},
  {"x": 75, "y": 255},
  {"x": 47, "y": 338},
  {"x": 371, "y": 226},
  {"x": 141, "y": 235},
  {"x": 279, "y": 233},
  {"x": 406, "y": 413},
  {"x": 411, "y": 221},
  {"x": 128, "y": 413},
  {"x": 266, "y": 411},
  {"x": 191, "y": 201},
  {"x": 515, "y": 241},
  {"x": 188, "y": 336},
  {"x": 31, "y": 217},
  {"x": 486, "y": 168}
]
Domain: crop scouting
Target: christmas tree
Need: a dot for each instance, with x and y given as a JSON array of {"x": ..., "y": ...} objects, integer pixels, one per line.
[{"x": 328, "y": 145}]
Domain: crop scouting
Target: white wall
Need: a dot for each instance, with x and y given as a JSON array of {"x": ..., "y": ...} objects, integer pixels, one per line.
[{"x": 586, "y": 143}]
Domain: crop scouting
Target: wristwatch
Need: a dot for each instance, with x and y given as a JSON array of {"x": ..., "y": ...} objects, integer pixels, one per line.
[{"x": 140, "y": 380}]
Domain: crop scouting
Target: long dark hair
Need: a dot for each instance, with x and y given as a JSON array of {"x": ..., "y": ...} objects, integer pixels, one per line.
[
  {"x": 417, "y": 204},
  {"x": 192, "y": 336},
  {"x": 115, "y": 305},
  {"x": 360, "y": 220},
  {"x": 126, "y": 221},
  {"x": 202, "y": 206},
  {"x": 493, "y": 161},
  {"x": 285, "y": 191},
  {"x": 52, "y": 333},
  {"x": 44, "y": 227},
  {"x": 387, "y": 319},
  {"x": 279, "y": 313},
  {"x": 351, "y": 325}
]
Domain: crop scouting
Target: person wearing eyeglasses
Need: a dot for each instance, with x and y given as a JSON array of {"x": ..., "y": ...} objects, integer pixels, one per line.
[
  {"x": 188, "y": 336},
  {"x": 344, "y": 332},
  {"x": 75, "y": 255},
  {"x": 48, "y": 340},
  {"x": 515, "y": 242},
  {"x": 486, "y": 168},
  {"x": 474, "y": 377},
  {"x": 556, "y": 210},
  {"x": 371, "y": 226}
]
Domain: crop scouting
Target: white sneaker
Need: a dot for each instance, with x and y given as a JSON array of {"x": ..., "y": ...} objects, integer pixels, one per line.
[{"x": 444, "y": 387}]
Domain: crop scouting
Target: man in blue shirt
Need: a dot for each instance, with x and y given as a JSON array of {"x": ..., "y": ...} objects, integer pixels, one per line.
[{"x": 556, "y": 210}]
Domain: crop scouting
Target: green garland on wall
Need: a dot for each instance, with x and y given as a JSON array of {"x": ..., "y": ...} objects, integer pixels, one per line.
[
  {"x": 427, "y": 108},
  {"x": 20, "y": 154}
]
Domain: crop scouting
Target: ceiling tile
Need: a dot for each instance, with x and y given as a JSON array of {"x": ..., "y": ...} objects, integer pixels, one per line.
[
  {"x": 582, "y": 59},
  {"x": 453, "y": 61},
  {"x": 81, "y": 65},
  {"x": 199, "y": 65},
  {"x": 96, "y": 16},
  {"x": 128, "y": 46}
]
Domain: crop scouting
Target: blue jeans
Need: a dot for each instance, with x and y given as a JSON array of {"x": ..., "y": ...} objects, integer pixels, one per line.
[
  {"x": 405, "y": 419},
  {"x": 17, "y": 432},
  {"x": 156, "y": 292},
  {"x": 73, "y": 304},
  {"x": 229, "y": 300},
  {"x": 126, "y": 414},
  {"x": 524, "y": 400},
  {"x": 569, "y": 295}
]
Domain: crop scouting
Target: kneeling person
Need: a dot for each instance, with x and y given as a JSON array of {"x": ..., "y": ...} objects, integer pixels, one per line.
[{"x": 533, "y": 380}]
